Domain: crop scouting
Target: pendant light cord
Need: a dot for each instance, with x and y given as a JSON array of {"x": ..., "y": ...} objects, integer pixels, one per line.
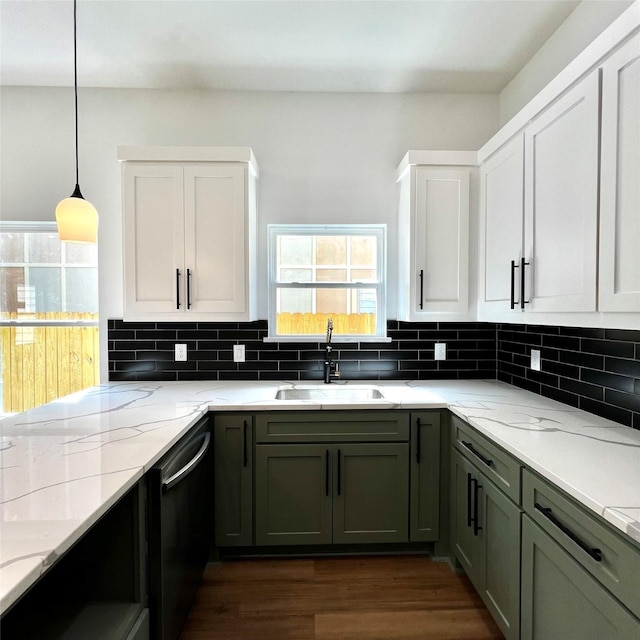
[{"x": 75, "y": 80}]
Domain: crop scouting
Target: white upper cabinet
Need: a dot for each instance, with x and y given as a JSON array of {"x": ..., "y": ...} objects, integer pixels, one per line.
[
  {"x": 619, "y": 277},
  {"x": 539, "y": 211},
  {"x": 433, "y": 255},
  {"x": 561, "y": 202},
  {"x": 501, "y": 233},
  {"x": 189, "y": 234}
]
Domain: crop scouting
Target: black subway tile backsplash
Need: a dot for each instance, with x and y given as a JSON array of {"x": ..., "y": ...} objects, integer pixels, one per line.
[
  {"x": 409, "y": 355},
  {"x": 595, "y": 369}
]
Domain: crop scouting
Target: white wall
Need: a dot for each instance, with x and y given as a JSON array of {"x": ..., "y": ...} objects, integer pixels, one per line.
[
  {"x": 587, "y": 21},
  {"x": 322, "y": 157}
]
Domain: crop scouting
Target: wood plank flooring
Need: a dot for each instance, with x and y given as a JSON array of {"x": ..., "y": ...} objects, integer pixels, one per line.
[{"x": 344, "y": 598}]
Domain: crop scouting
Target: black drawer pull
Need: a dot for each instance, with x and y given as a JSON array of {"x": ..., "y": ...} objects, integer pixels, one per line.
[
  {"x": 338, "y": 471},
  {"x": 476, "y": 488},
  {"x": 188, "y": 288},
  {"x": 477, "y": 453},
  {"x": 245, "y": 458},
  {"x": 418, "y": 443},
  {"x": 596, "y": 554},
  {"x": 326, "y": 472},
  {"x": 514, "y": 266},
  {"x": 177, "y": 288},
  {"x": 523, "y": 264},
  {"x": 469, "y": 520},
  {"x": 421, "y": 288}
]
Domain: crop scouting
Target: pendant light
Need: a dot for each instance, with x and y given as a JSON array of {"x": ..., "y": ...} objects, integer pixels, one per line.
[{"x": 76, "y": 217}]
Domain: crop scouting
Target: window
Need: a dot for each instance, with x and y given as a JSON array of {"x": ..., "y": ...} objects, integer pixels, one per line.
[
  {"x": 48, "y": 315},
  {"x": 322, "y": 272}
]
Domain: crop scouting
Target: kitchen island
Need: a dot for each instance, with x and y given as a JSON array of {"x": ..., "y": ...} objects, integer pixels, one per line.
[{"x": 65, "y": 464}]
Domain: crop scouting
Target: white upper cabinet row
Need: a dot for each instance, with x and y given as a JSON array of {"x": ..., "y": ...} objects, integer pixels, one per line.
[
  {"x": 559, "y": 228},
  {"x": 189, "y": 233},
  {"x": 560, "y": 203}
]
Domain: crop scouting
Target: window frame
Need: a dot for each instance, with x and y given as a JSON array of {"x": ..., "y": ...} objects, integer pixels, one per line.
[
  {"x": 28, "y": 317},
  {"x": 379, "y": 231}
]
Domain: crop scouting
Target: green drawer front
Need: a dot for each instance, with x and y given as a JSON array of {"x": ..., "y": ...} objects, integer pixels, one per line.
[
  {"x": 496, "y": 464},
  {"x": 619, "y": 567},
  {"x": 333, "y": 426}
]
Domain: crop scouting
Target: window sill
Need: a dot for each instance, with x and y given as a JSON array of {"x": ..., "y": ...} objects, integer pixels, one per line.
[{"x": 334, "y": 340}]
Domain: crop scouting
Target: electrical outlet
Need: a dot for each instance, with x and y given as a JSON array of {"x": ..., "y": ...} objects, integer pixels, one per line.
[
  {"x": 535, "y": 359},
  {"x": 181, "y": 353},
  {"x": 238, "y": 353},
  {"x": 440, "y": 351}
]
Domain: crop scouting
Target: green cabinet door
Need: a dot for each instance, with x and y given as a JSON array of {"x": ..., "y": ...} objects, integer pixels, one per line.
[
  {"x": 465, "y": 540},
  {"x": 561, "y": 601},
  {"x": 233, "y": 477},
  {"x": 371, "y": 493},
  {"x": 425, "y": 476},
  {"x": 293, "y": 494},
  {"x": 486, "y": 540},
  {"x": 499, "y": 557}
]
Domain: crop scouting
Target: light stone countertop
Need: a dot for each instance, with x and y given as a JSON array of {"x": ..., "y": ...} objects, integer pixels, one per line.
[{"x": 63, "y": 465}]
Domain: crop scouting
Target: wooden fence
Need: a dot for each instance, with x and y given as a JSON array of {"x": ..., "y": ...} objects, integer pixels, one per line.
[
  {"x": 41, "y": 362},
  {"x": 316, "y": 323}
]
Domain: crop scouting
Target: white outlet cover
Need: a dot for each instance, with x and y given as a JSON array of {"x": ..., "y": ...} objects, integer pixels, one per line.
[
  {"x": 535, "y": 359},
  {"x": 238, "y": 353},
  {"x": 181, "y": 353},
  {"x": 440, "y": 351}
]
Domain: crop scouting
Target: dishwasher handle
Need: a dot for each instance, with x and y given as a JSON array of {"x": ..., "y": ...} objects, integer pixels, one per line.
[{"x": 190, "y": 466}]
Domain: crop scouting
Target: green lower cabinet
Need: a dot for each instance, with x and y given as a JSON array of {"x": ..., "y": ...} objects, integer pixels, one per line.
[
  {"x": 425, "y": 476},
  {"x": 233, "y": 479},
  {"x": 487, "y": 542},
  {"x": 371, "y": 493},
  {"x": 337, "y": 493},
  {"x": 561, "y": 600},
  {"x": 465, "y": 543},
  {"x": 499, "y": 558},
  {"x": 293, "y": 494}
]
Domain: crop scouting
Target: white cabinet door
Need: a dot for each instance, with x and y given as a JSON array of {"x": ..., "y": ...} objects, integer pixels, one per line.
[
  {"x": 215, "y": 225},
  {"x": 188, "y": 241},
  {"x": 153, "y": 238},
  {"x": 502, "y": 202},
  {"x": 434, "y": 242},
  {"x": 619, "y": 276},
  {"x": 561, "y": 202}
]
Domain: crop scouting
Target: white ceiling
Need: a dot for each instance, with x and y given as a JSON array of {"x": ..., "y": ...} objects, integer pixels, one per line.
[{"x": 383, "y": 46}]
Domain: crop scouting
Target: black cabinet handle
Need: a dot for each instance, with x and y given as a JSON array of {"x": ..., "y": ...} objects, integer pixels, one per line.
[
  {"x": 596, "y": 554},
  {"x": 418, "y": 441},
  {"x": 477, "y": 453},
  {"x": 476, "y": 488},
  {"x": 514, "y": 266},
  {"x": 338, "y": 471},
  {"x": 177, "y": 288},
  {"x": 245, "y": 458},
  {"x": 523, "y": 264},
  {"x": 469, "y": 500},
  {"x": 188, "y": 288},
  {"x": 421, "y": 288},
  {"x": 326, "y": 472}
]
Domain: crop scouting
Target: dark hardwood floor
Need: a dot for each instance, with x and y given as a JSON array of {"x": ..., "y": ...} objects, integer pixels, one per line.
[{"x": 344, "y": 598}]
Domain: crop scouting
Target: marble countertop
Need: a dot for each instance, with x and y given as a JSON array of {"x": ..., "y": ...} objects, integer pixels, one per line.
[{"x": 63, "y": 465}]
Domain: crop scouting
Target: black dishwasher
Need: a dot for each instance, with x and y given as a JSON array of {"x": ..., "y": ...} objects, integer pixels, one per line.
[{"x": 180, "y": 529}]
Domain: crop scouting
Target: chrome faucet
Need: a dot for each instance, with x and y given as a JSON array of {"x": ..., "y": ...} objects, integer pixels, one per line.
[{"x": 331, "y": 370}]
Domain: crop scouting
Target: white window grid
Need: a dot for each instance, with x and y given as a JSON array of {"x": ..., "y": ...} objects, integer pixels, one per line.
[{"x": 378, "y": 284}]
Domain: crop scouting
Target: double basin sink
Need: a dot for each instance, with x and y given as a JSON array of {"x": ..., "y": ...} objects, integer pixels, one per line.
[{"x": 351, "y": 393}]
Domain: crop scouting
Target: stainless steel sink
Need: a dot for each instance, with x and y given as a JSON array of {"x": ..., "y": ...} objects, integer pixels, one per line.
[{"x": 330, "y": 392}]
